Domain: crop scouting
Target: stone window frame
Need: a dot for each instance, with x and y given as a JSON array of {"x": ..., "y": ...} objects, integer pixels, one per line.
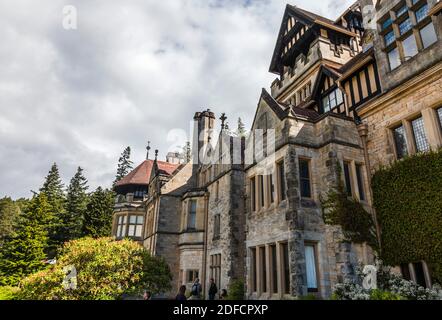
[
  {"x": 124, "y": 233},
  {"x": 215, "y": 268},
  {"x": 437, "y": 114},
  {"x": 432, "y": 127},
  {"x": 136, "y": 224},
  {"x": 194, "y": 273},
  {"x": 256, "y": 268},
  {"x": 189, "y": 208},
  {"x": 416, "y": 27},
  {"x": 392, "y": 139},
  {"x": 416, "y": 140},
  {"x": 309, "y": 165},
  {"x": 217, "y": 190},
  {"x": 354, "y": 183},
  {"x": 315, "y": 246},
  {"x": 361, "y": 180},
  {"x": 271, "y": 194},
  {"x": 411, "y": 272},
  {"x": 262, "y": 201},
  {"x": 253, "y": 193},
  {"x": 253, "y": 274},
  {"x": 281, "y": 185},
  {"x": 217, "y": 226}
]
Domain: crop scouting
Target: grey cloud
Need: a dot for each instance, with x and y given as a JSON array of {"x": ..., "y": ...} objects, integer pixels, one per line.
[{"x": 131, "y": 72}]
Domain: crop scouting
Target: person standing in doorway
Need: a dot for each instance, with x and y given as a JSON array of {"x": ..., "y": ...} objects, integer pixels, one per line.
[
  {"x": 212, "y": 289},
  {"x": 196, "y": 290}
]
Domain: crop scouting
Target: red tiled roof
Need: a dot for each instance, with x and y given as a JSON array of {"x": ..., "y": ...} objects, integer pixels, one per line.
[
  {"x": 166, "y": 167},
  {"x": 141, "y": 174}
]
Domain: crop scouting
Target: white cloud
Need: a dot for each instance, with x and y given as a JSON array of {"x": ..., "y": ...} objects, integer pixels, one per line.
[{"x": 131, "y": 72}]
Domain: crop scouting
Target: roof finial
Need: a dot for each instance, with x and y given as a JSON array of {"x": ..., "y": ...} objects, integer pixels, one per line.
[
  {"x": 148, "y": 149},
  {"x": 223, "y": 118},
  {"x": 156, "y": 155}
]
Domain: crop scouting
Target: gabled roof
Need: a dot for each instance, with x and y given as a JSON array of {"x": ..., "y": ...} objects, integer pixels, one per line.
[
  {"x": 325, "y": 70},
  {"x": 141, "y": 174},
  {"x": 307, "y": 18},
  {"x": 283, "y": 110},
  {"x": 279, "y": 109}
]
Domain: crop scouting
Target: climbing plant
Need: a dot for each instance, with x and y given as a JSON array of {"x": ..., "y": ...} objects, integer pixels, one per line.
[
  {"x": 340, "y": 209},
  {"x": 408, "y": 202}
]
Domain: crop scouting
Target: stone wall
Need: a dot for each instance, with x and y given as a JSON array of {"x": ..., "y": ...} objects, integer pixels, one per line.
[
  {"x": 415, "y": 65},
  {"x": 298, "y": 221},
  {"x": 230, "y": 244},
  {"x": 420, "y": 95}
]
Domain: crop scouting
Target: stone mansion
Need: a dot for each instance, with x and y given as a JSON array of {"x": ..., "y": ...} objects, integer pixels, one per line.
[{"x": 358, "y": 92}]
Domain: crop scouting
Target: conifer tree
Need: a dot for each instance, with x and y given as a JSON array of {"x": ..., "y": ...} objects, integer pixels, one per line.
[
  {"x": 76, "y": 202},
  {"x": 124, "y": 165},
  {"x": 9, "y": 213},
  {"x": 98, "y": 215},
  {"x": 53, "y": 189},
  {"x": 241, "y": 129},
  {"x": 24, "y": 253}
]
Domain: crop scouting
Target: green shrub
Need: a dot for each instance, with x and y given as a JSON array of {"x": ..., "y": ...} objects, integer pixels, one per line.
[
  {"x": 384, "y": 295},
  {"x": 308, "y": 297},
  {"x": 236, "y": 290},
  {"x": 8, "y": 293},
  {"x": 409, "y": 209},
  {"x": 106, "y": 269}
]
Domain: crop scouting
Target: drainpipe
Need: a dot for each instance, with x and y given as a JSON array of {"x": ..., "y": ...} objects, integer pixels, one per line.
[
  {"x": 363, "y": 133},
  {"x": 206, "y": 231}
]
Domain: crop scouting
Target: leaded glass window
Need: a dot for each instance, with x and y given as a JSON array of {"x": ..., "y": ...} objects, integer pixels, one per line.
[
  {"x": 420, "y": 138},
  {"x": 400, "y": 141}
]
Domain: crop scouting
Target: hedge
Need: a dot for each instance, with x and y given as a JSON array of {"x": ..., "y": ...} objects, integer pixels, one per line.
[{"x": 408, "y": 202}]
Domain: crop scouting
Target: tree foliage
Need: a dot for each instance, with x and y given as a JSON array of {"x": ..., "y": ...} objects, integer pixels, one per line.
[
  {"x": 339, "y": 209},
  {"x": 106, "y": 269},
  {"x": 124, "y": 165},
  {"x": 408, "y": 202},
  {"x": 76, "y": 203},
  {"x": 98, "y": 214},
  {"x": 24, "y": 253},
  {"x": 53, "y": 188},
  {"x": 9, "y": 213}
]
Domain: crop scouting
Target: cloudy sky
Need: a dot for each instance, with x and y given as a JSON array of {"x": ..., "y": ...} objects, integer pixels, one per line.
[{"x": 132, "y": 71}]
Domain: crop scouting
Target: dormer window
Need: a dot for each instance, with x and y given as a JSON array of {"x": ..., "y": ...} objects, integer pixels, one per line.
[{"x": 332, "y": 100}]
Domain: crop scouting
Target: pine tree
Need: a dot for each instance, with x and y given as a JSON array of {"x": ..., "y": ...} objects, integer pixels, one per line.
[
  {"x": 124, "y": 165},
  {"x": 24, "y": 253},
  {"x": 241, "y": 129},
  {"x": 9, "y": 213},
  {"x": 53, "y": 189},
  {"x": 76, "y": 202},
  {"x": 98, "y": 215}
]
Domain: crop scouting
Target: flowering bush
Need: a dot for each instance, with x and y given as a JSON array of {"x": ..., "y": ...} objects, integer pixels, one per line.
[
  {"x": 390, "y": 287},
  {"x": 105, "y": 270}
]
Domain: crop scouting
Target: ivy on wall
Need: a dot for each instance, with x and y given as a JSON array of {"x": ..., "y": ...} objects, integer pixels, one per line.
[
  {"x": 408, "y": 202},
  {"x": 339, "y": 209}
]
